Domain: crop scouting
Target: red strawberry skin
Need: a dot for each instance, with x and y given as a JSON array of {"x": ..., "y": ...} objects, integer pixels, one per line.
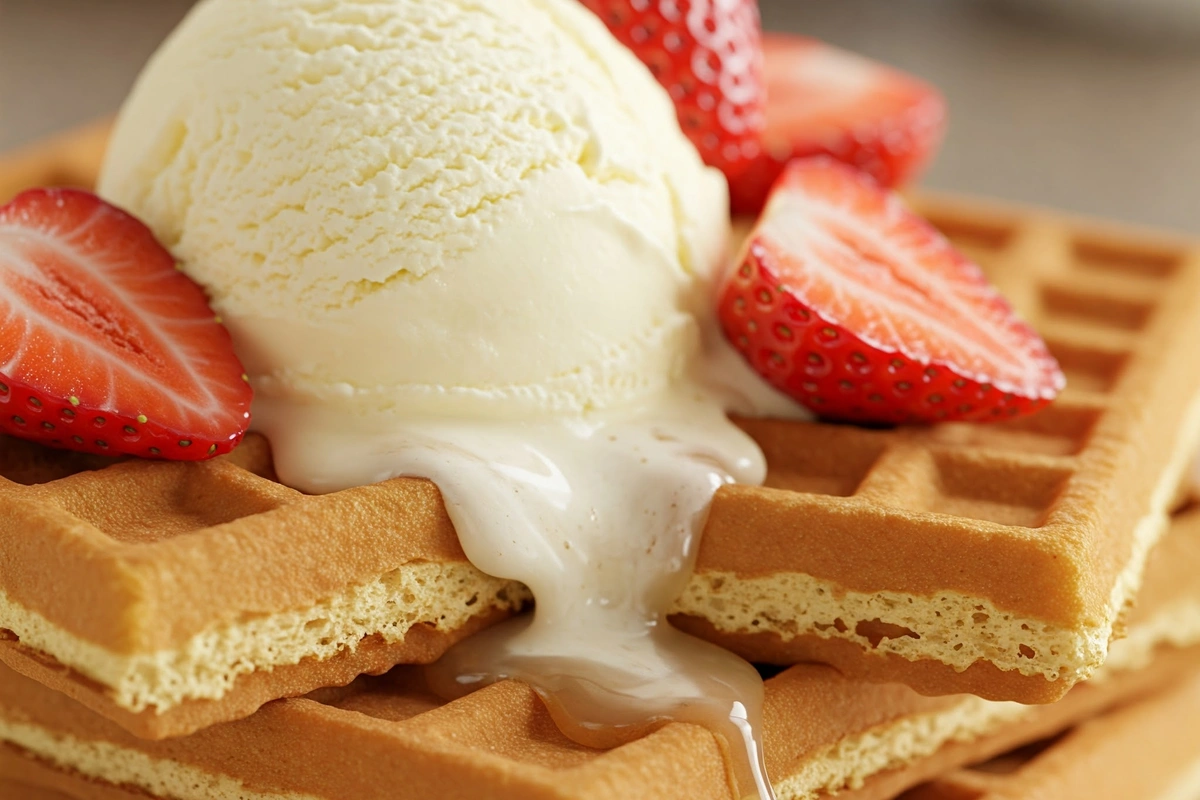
[
  {"x": 708, "y": 56},
  {"x": 105, "y": 347},
  {"x": 822, "y": 100},
  {"x": 858, "y": 309}
]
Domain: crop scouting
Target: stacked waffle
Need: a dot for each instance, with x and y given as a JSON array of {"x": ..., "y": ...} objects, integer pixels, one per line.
[{"x": 199, "y": 630}]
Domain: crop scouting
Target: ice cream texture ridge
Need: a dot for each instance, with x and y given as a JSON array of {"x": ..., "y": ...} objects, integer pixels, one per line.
[
  {"x": 404, "y": 206},
  {"x": 469, "y": 242}
]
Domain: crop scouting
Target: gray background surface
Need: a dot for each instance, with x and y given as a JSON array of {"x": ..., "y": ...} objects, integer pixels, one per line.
[{"x": 1043, "y": 112}]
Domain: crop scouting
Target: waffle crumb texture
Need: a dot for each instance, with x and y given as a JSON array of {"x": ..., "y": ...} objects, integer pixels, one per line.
[
  {"x": 825, "y": 734},
  {"x": 121, "y": 766},
  {"x": 1094, "y": 759},
  {"x": 850, "y": 762},
  {"x": 867, "y": 734},
  {"x": 445, "y": 596},
  {"x": 953, "y": 628}
]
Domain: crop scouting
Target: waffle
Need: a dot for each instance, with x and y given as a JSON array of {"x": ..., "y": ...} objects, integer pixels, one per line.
[
  {"x": 994, "y": 560},
  {"x": 12, "y": 790},
  {"x": 69, "y": 159},
  {"x": 172, "y": 596},
  {"x": 1093, "y": 761},
  {"x": 387, "y": 737},
  {"x": 1190, "y": 491},
  {"x": 988, "y": 559}
]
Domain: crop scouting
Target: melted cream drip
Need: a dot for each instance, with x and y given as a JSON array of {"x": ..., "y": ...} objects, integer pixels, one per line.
[{"x": 601, "y": 518}]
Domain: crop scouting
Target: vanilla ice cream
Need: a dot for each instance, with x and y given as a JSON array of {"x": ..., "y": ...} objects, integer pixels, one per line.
[
  {"x": 458, "y": 207},
  {"x": 467, "y": 241}
]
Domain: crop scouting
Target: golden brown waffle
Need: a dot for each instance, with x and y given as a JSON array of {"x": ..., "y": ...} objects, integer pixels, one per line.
[
  {"x": 69, "y": 159},
  {"x": 137, "y": 558},
  {"x": 11, "y": 790},
  {"x": 387, "y": 737},
  {"x": 381, "y": 739},
  {"x": 1149, "y": 751},
  {"x": 990, "y": 559},
  {"x": 956, "y": 558}
]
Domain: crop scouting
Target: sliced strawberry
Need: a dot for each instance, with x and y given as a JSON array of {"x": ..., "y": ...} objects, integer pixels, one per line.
[
  {"x": 708, "y": 56},
  {"x": 860, "y": 310},
  {"x": 105, "y": 347},
  {"x": 825, "y": 101}
]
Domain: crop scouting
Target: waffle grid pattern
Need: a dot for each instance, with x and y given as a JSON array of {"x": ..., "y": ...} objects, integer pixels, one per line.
[
  {"x": 1025, "y": 529},
  {"x": 1097, "y": 333},
  {"x": 1109, "y": 305},
  {"x": 1062, "y": 495},
  {"x": 1092, "y": 297}
]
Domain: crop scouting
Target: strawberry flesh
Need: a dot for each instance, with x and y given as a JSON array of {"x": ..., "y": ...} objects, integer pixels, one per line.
[
  {"x": 707, "y": 54},
  {"x": 860, "y": 310},
  {"x": 822, "y": 100},
  {"x": 105, "y": 347}
]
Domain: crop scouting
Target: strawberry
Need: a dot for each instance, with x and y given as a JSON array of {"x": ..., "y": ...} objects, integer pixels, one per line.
[
  {"x": 708, "y": 56},
  {"x": 105, "y": 347},
  {"x": 857, "y": 308},
  {"x": 826, "y": 101}
]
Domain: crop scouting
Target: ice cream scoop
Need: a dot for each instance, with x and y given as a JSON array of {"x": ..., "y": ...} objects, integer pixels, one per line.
[
  {"x": 468, "y": 242},
  {"x": 404, "y": 206}
]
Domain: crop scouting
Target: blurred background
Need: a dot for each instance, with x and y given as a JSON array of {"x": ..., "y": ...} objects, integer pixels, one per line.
[{"x": 1087, "y": 105}]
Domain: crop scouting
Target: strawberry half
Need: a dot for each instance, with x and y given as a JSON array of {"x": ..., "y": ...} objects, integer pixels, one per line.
[
  {"x": 708, "y": 56},
  {"x": 860, "y": 310},
  {"x": 105, "y": 347},
  {"x": 822, "y": 100}
]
